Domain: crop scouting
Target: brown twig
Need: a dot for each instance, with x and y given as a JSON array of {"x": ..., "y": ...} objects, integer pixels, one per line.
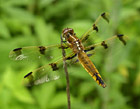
[{"x": 66, "y": 72}]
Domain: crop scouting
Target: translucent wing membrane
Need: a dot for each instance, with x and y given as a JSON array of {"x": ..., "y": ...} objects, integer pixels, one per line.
[
  {"x": 43, "y": 74},
  {"x": 107, "y": 43},
  {"x": 34, "y": 52},
  {"x": 46, "y": 73},
  {"x": 85, "y": 36}
]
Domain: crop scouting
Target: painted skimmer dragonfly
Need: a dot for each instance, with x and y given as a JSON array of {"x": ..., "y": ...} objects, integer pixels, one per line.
[{"x": 48, "y": 72}]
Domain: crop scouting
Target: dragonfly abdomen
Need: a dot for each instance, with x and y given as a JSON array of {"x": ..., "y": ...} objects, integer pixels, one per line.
[{"x": 90, "y": 68}]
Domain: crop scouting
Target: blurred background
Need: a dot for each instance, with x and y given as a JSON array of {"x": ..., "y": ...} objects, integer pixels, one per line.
[{"x": 40, "y": 22}]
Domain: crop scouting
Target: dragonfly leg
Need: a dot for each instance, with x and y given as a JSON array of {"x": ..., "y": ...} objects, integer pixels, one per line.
[
  {"x": 71, "y": 57},
  {"x": 121, "y": 38}
]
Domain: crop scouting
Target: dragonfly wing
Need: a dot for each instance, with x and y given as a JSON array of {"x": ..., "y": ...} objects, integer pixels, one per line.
[
  {"x": 106, "y": 44},
  {"x": 94, "y": 27},
  {"x": 35, "y": 52},
  {"x": 46, "y": 73}
]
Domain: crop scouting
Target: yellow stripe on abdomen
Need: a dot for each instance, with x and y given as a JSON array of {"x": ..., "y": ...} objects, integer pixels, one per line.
[{"x": 90, "y": 68}]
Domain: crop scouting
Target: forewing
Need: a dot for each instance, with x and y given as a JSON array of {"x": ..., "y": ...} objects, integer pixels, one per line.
[
  {"x": 32, "y": 53},
  {"x": 108, "y": 43}
]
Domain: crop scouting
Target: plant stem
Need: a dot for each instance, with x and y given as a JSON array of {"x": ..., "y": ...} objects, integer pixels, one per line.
[{"x": 66, "y": 72}]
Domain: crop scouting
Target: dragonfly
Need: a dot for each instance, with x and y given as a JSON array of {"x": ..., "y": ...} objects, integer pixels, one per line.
[{"x": 79, "y": 52}]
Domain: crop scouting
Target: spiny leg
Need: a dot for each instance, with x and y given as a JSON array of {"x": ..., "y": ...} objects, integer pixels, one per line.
[{"x": 94, "y": 27}]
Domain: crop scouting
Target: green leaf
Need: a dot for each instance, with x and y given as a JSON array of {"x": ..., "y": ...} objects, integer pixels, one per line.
[
  {"x": 44, "y": 94},
  {"x": 45, "y": 32},
  {"x": 19, "y": 15},
  {"x": 85, "y": 88},
  {"x": 60, "y": 99},
  {"x": 13, "y": 82},
  {"x": 4, "y": 32}
]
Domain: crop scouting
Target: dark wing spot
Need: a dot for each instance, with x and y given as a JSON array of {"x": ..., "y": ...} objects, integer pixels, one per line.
[
  {"x": 104, "y": 45},
  {"x": 54, "y": 66},
  {"x": 30, "y": 77},
  {"x": 28, "y": 74},
  {"x": 105, "y": 17},
  {"x": 70, "y": 57},
  {"x": 42, "y": 49},
  {"x": 103, "y": 14},
  {"x": 86, "y": 37},
  {"x": 95, "y": 27},
  {"x": 120, "y": 36},
  {"x": 17, "y": 51}
]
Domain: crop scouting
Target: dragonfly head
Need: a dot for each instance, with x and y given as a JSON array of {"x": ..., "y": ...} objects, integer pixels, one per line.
[{"x": 67, "y": 32}]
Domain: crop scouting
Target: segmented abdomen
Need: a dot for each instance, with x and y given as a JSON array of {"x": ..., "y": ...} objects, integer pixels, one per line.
[{"x": 90, "y": 68}]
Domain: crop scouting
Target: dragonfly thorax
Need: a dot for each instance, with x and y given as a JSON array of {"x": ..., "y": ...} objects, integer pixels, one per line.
[
  {"x": 77, "y": 46},
  {"x": 73, "y": 41}
]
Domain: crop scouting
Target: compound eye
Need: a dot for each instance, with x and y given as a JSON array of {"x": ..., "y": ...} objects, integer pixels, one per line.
[
  {"x": 71, "y": 32},
  {"x": 67, "y": 32}
]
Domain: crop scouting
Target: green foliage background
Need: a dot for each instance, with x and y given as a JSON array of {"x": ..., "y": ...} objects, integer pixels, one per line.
[{"x": 40, "y": 22}]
